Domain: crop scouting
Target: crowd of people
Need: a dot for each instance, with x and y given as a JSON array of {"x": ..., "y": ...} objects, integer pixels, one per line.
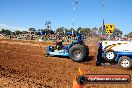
[{"x": 65, "y": 38}]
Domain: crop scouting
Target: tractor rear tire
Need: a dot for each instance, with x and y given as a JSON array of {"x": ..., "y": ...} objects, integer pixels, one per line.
[
  {"x": 125, "y": 63},
  {"x": 77, "y": 53}
]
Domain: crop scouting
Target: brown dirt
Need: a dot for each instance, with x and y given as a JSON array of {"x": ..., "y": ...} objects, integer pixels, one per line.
[{"x": 23, "y": 65}]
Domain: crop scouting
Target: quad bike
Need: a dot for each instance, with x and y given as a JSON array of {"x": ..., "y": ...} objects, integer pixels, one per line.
[
  {"x": 115, "y": 51},
  {"x": 77, "y": 50}
]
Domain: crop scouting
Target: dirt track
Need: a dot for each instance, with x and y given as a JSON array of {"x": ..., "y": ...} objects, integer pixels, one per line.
[{"x": 23, "y": 65}]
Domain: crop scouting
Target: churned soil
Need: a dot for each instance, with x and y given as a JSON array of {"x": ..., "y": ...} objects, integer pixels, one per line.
[{"x": 23, "y": 65}]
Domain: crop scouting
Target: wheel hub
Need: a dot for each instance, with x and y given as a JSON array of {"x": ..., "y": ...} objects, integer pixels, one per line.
[
  {"x": 110, "y": 55},
  {"x": 76, "y": 53},
  {"x": 125, "y": 63}
]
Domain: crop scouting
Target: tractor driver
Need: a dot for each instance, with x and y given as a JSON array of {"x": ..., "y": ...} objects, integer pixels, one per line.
[{"x": 59, "y": 43}]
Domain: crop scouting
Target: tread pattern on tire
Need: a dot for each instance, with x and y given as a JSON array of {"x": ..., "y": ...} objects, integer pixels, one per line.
[{"x": 81, "y": 48}]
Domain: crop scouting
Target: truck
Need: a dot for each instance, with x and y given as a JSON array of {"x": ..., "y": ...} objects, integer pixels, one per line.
[{"x": 115, "y": 51}]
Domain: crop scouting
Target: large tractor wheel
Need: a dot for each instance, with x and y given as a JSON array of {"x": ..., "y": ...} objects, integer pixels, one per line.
[
  {"x": 125, "y": 62},
  {"x": 77, "y": 53},
  {"x": 110, "y": 55}
]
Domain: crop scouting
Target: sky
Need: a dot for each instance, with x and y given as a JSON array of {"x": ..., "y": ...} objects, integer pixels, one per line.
[{"x": 24, "y": 14}]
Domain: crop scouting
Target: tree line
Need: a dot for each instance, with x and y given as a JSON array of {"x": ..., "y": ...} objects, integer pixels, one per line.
[{"x": 63, "y": 30}]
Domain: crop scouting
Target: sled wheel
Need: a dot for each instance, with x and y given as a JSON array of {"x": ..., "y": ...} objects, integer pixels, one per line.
[
  {"x": 46, "y": 52},
  {"x": 77, "y": 53},
  {"x": 46, "y": 55},
  {"x": 110, "y": 55},
  {"x": 125, "y": 62}
]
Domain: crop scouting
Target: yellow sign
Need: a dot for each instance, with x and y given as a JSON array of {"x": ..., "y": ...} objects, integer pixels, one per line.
[{"x": 109, "y": 28}]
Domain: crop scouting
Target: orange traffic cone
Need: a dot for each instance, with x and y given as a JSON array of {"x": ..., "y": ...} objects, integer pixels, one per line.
[
  {"x": 76, "y": 85},
  {"x": 81, "y": 72}
]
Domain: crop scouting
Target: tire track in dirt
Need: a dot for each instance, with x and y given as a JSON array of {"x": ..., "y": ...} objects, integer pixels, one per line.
[{"x": 25, "y": 66}]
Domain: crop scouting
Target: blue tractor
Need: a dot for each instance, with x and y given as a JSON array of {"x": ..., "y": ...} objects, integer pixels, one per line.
[{"x": 77, "y": 50}]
